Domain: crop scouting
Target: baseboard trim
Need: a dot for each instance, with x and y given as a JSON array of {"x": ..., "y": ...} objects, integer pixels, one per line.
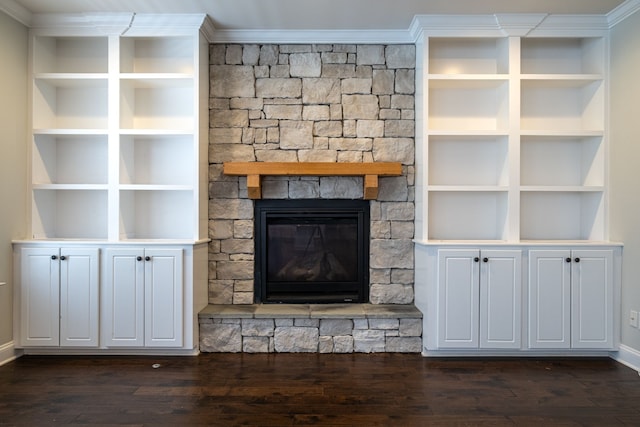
[
  {"x": 8, "y": 353},
  {"x": 627, "y": 356}
]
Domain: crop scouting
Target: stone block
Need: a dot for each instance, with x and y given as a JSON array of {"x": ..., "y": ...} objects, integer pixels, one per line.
[
  {"x": 313, "y": 323},
  {"x": 398, "y": 211},
  {"x": 243, "y": 286},
  {"x": 370, "y": 54},
  {"x": 331, "y": 129},
  {"x": 246, "y": 103},
  {"x": 220, "y": 229},
  {"x": 269, "y": 54},
  {"x": 229, "y": 81},
  {"x": 325, "y": 345},
  {"x": 350, "y": 157},
  {"x": 305, "y": 65},
  {"x": 403, "y": 102},
  {"x": 393, "y": 150},
  {"x": 399, "y": 128},
  {"x": 402, "y": 230},
  {"x": 220, "y": 153},
  {"x": 336, "y": 327},
  {"x": 234, "y": 54},
  {"x": 393, "y": 189},
  {"x": 334, "y": 57},
  {"x": 237, "y": 270},
  {"x": 400, "y": 56},
  {"x": 217, "y": 54},
  {"x": 295, "y": 48},
  {"x": 360, "y": 324},
  {"x": 368, "y": 341},
  {"x": 340, "y": 71},
  {"x": 243, "y": 229},
  {"x": 390, "y": 114},
  {"x": 220, "y": 291},
  {"x": 228, "y": 118},
  {"x": 275, "y": 189},
  {"x": 385, "y": 324},
  {"x": 283, "y": 322},
  {"x": 255, "y": 344},
  {"x": 243, "y": 297},
  {"x": 223, "y": 190},
  {"x": 296, "y": 339},
  {"x": 237, "y": 246},
  {"x": 351, "y": 144},
  {"x": 341, "y": 187},
  {"x": 343, "y": 344},
  {"x": 317, "y": 156},
  {"x": 391, "y": 294},
  {"x": 360, "y": 107},
  {"x": 216, "y": 338},
  {"x": 405, "y": 81},
  {"x": 276, "y": 156},
  {"x": 380, "y": 275},
  {"x": 383, "y": 82},
  {"x": 321, "y": 91},
  {"x": 404, "y": 345},
  {"x": 278, "y": 88},
  {"x": 251, "y": 54},
  {"x": 391, "y": 253},
  {"x": 410, "y": 327},
  {"x": 356, "y": 86},
  {"x": 380, "y": 230},
  {"x": 257, "y": 327},
  {"x": 279, "y": 71},
  {"x": 316, "y": 112},
  {"x": 304, "y": 189},
  {"x": 283, "y": 112},
  {"x": 231, "y": 209},
  {"x": 369, "y": 128},
  {"x": 405, "y": 277},
  {"x": 296, "y": 135}
]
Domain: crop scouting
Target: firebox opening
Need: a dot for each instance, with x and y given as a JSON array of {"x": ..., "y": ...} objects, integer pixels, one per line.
[{"x": 312, "y": 251}]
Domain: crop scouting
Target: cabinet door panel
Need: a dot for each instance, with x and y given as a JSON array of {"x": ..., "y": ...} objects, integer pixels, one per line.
[
  {"x": 549, "y": 299},
  {"x": 124, "y": 298},
  {"x": 458, "y": 298},
  {"x": 40, "y": 297},
  {"x": 500, "y": 299},
  {"x": 163, "y": 296},
  {"x": 79, "y": 297},
  {"x": 592, "y": 299}
]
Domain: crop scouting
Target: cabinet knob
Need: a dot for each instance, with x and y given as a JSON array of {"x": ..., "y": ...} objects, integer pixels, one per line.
[
  {"x": 568, "y": 259},
  {"x": 139, "y": 258},
  {"x": 147, "y": 258},
  {"x": 577, "y": 260},
  {"x": 476, "y": 259},
  {"x": 54, "y": 257},
  {"x": 485, "y": 259},
  {"x": 62, "y": 257}
]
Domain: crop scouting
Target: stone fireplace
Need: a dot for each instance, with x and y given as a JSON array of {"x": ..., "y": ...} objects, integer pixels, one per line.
[{"x": 312, "y": 103}]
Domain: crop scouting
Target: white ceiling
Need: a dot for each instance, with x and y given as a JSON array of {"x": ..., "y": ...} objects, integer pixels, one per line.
[{"x": 313, "y": 14}]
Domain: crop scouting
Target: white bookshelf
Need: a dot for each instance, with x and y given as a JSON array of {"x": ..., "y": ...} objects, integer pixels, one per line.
[{"x": 514, "y": 139}]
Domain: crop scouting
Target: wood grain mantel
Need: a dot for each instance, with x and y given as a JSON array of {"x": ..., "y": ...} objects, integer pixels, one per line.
[{"x": 255, "y": 170}]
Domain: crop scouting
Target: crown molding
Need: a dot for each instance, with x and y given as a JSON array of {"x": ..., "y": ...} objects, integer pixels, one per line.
[
  {"x": 572, "y": 25},
  {"x": 173, "y": 24},
  {"x": 519, "y": 24},
  {"x": 622, "y": 12},
  {"x": 82, "y": 23},
  {"x": 312, "y": 36},
  {"x": 17, "y": 12}
]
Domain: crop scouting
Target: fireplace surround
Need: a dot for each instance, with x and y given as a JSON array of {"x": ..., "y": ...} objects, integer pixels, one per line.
[{"x": 311, "y": 251}]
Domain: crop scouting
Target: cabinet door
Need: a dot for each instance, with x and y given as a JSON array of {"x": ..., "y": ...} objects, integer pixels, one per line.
[
  {"x": 458, "y": 298},
  {"x": 592, "y": 299},
  {"x": 500, "y": 298},
  {"x": 39, "y": 297},
  {"x": 124, "y": 298},
  {"x": 549, "y": 299},
  {"x": 79, "y": 297},
  {"x": 163, "y": 298}
]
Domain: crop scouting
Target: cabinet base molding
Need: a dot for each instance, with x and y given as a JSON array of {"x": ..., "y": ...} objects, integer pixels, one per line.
[
  {"x": 627, "y": 356},
  {"x": 9, "y": 352},
  {"x": 515, "y": 353},
  {"x": 110, "y": 352}
]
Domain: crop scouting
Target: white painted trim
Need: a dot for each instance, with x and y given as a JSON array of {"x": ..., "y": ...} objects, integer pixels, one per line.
[
  {"x": 312, "y": 36},
  {"x": 627, "y": 356},
  {"x": 8, "y": 353},
  {"x": 67, "y": 351},
  {"x": 82, "y": 23},
  {"x": 16, "y": 11},
  {"x": 622, "y": 12}
]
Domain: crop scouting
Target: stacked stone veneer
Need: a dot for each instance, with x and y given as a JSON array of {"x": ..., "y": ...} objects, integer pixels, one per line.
[{"x": 320, "y": 103}]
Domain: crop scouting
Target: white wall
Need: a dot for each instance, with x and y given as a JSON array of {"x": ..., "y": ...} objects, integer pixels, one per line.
[
  {"x": 13, "y": 138},
  {"x": 625, "y": 164}
]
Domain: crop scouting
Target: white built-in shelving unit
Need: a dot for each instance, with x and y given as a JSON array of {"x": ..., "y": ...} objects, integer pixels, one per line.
[{"x": 119, "y": 145}]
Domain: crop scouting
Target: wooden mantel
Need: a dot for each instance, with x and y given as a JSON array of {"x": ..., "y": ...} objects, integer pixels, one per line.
[{"x": 255, "y": 170}]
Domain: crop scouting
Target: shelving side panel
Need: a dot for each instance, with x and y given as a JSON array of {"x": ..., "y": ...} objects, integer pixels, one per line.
[
  {"x": 72, "y": 159},
  {"x": 160, "y": 160},
  {"x": 70, "y": 54},
  {"x": 157, "y": 55},
  {"x": 562, "y": 161},
  {"x": 69, "y": 214},
  {"x": 452, "y": 55},
  {"x": 458, "y": 160},
  {"x": 468, "y": 215},
  {"x": 156, "y": 214},
  {"x": 562, "y": 216}
]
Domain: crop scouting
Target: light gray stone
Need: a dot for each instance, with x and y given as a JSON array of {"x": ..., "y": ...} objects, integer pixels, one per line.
[
  {"x": 221, "y": 229},
  {"x": 278, "y": 88},
  {"x": 223, "y": 338},
  {"x": 404, "y": 277},
  {"x": 279, "y": 71},
  {"x": 383, "y": 82},
  {"x": 228, "y": 81},
  {"x": 220, "y": 291},
  {"x": 384, "y": 323},
  {"x": 380, "y": 230},
  {"x": 316, "y": 112},
  {"x": 340, "y": 71},
  {"x": 343, "y": 344},
  {"x": 305, "y": 65},
  {"x": 405, "y": 81},
  {"x": 283, "y": 112},
  {"x": 399, "y": 128},
  {"x": 242, "y": 270},
  {"x": 218, "y": 103},
  {"x": 370, "y": 54},
  {"x": 251, "y": 54},
  {"x": 257, "y": 327},
  {"x": 283, "y": 322},
  {"x": 351, "y": 144},
  {"x": 360, "y": 324},
  {"x": 334, "y": 57},
  {"x": 391, "y": 294},
  {"x": 246, "y": 103},
  {"x": 410, "y": 327},
  {"x": 231, "y": 209},
  {"x": 243, "y": 298},
  {"x": 234, "y": 54},
  {"x": 243, "y": 286},
  {"x": 400, "y": 56},
  {"x": 328, "y": 128},
  {"x": 296, "y": 135},
  {"x": 350, "y": 157},
  {"x": 402, "y": 230},
  {"x": 313, "y": 323},
  {"x": 393, "y": 150},
  {"x": 403, "y": 101},
  {"x": 389, "y": 114},
  {"x": 317, "y": 156},
  {"x": 391, "y": 253},
  {"x": 220, "y": 153},
  {"x": 295, "y": 48},
  {"x": 275, "y": 189},
  {"x": 325, "y": 345},
  {"x": 223, "y": 190},
  {"x": 217, "y": 54},
  {"x": 296, "y": 339},
  {"x": 276, "y": 156},
  {"x": 229, "y": 118},
  {"x": 237, "y": 246},
  {"x": 341, "y": 187},
  {"x": 370, "y": 128},
  {"x": 404, "y": 345},
  {"x": 393, "y": 189},
  {"x": 356, "y": 86},
  {"x": 243, "y": 229},
  {"x": 360, "y": 107},
  {"x": 349, "y": 128},
  {"x": 336, "y": 326},
  {"x": 269, "y": 54},
  {"x": 398, "y": 211},
  {"x": 321, "y": 91},
  {"x": 304, "y": 189},
  {"x": 255, "y": 344},
  {"x": 368, "y": 341}
]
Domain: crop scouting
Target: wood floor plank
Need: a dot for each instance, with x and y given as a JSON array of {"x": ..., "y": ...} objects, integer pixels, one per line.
[{"x": 323, "y": 390}]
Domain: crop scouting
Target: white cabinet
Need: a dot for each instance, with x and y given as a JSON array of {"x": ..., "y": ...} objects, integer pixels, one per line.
[
  {"x": 58, "y": 297},
  {"x": 571, "y": 299},
  {"x": 479, "y": 298},
  {"x": 143, "y": 297}
]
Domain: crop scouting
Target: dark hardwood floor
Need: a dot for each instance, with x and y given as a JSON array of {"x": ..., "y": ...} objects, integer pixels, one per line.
[{"x": 309, "y": 389}]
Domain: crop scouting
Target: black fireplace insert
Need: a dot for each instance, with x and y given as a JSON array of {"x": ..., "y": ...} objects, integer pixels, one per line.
[{"x": 311, "y": 251}]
